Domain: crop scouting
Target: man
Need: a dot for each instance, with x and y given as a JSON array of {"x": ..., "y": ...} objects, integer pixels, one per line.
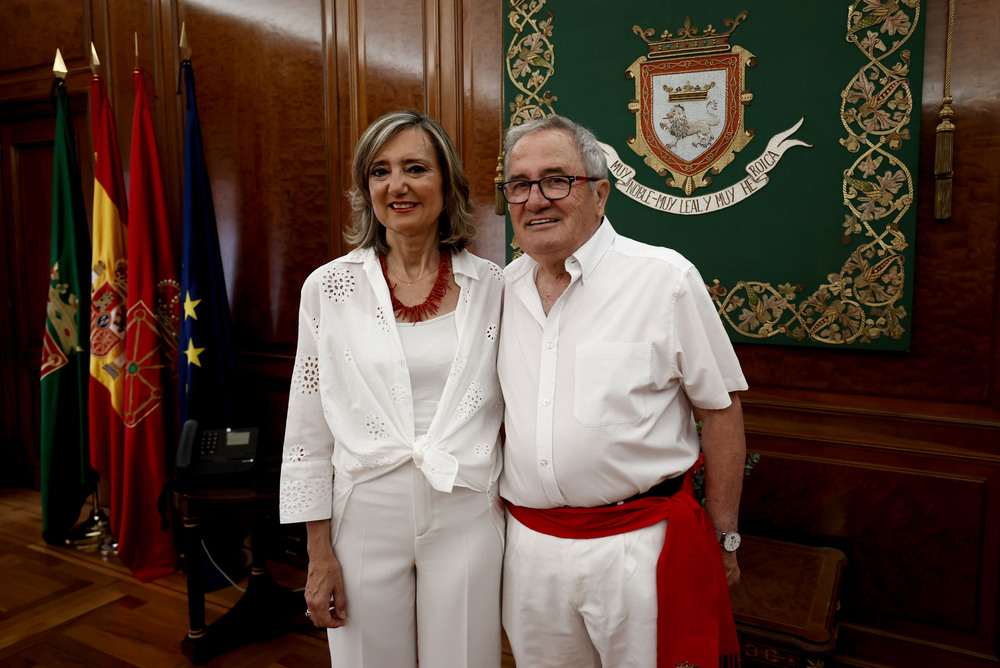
[{"x": 609, "y": 350}]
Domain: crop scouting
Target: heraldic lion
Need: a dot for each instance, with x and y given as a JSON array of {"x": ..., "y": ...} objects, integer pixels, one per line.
[{"x": 678, "y": 125}]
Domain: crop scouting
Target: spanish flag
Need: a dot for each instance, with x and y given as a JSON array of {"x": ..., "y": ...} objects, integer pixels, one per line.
[{"x": 109, "y": 271}]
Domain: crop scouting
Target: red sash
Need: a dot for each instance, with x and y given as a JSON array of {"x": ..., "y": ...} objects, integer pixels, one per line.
[{"x": 695, "y": 625}]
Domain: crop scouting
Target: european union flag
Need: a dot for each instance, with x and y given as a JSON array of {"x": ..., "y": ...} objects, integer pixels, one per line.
[{"x": 206, "y": 358}]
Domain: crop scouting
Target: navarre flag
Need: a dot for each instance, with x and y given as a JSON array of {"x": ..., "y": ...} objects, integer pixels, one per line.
[
  {"x": 151, "y": 350},
  {"x": 206, "y": 361},
  {"x": 108, "y": 295},
  {"x": 66, "y": 475}
]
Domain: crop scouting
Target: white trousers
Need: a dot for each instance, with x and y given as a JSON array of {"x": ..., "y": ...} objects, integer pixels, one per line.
[
  {"x": 418, "y": 562},
  {"x": 581, "y": 603}
]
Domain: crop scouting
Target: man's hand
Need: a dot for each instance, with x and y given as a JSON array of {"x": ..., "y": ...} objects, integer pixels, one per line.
[{"x": 732, "y": 569}]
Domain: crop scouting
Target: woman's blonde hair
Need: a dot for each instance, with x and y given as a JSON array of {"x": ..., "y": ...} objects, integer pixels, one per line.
[{"x": 456, "y": 227}]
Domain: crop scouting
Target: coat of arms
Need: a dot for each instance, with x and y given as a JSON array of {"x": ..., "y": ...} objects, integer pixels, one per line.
[{"x": 689, "y": 102}]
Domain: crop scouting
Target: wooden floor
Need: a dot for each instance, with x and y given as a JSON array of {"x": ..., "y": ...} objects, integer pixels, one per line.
[{"x": 65, "y": 607}]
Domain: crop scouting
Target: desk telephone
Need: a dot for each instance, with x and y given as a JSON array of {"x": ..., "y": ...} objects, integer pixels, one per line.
[{"x": 215, "y": 452}]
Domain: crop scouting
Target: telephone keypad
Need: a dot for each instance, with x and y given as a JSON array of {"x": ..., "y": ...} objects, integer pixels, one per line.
[{"x": 209, "y": 443}]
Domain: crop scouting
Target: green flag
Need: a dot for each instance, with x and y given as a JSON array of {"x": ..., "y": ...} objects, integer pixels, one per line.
[{"x": 67, "y": 478}]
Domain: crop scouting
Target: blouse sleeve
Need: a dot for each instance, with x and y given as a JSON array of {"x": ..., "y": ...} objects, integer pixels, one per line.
[{"x": 306, "y": 486}]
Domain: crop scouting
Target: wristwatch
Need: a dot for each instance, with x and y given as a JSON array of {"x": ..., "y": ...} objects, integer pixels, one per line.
[{"x": 729, "y": 540}]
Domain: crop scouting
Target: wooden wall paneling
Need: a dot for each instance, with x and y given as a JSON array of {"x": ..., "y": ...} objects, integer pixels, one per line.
[
  {"x": 481, "y": 90},
  {"x": 260, "y": 86},
  {"x": 333, "y": 139},
  {"x": 435, "y": 59},
  {"x": 12, "y": 466},
  {"x": 911, "y": 478},
  {"x": 351, "y": 83},
  {"x": 348, "y": 105},
  {"x": 113, "y": 33},
  {"x": 394, "y": 53},
  {"x": 977, "y": 182},
  {"x": 444, "y": 41},
  {"x": 30, "y": 33},
  {"x": 138, "y": 24},
  {"x": 165, "y": 35},
  {"x": 463, "y": 75},
  {"x": 918, "y": 530}
]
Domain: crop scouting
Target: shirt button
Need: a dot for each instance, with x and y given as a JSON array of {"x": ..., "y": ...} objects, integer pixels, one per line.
[
  {"x": 543, "y": 462},
  {"x": 549, "y": 345},
  {"x": 545, "y": 402}
]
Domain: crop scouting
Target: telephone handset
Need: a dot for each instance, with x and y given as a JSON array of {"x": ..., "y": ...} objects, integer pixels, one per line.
[{"x": 215, "y": 452}]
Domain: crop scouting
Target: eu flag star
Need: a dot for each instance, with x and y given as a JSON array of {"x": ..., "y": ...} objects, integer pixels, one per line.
[
  {"x": 192, "y": 353},
  {"x": 189, "y": 305}
]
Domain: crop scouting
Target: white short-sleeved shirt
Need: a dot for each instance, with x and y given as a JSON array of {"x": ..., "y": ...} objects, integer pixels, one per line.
[
  {"x": 350, "y": 407},
  {"x": 599, "y": 393}
]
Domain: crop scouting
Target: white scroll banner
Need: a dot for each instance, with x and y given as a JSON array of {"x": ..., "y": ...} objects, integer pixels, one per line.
[{"x": 693, "y": 206}]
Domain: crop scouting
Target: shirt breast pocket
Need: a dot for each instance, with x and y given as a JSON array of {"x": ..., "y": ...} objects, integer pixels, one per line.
[{"x": 610, "y": 381}]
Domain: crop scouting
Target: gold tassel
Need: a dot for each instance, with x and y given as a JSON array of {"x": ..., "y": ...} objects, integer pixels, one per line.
[
  {"x": 497, "y": 180},
  {"x": 943, "y": 163},
  {"x": 945, "y": 140},
  {"x": 501, "y": 203}
]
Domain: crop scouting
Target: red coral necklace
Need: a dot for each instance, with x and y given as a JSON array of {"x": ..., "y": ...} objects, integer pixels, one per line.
[{"x": 429, "y": 307}]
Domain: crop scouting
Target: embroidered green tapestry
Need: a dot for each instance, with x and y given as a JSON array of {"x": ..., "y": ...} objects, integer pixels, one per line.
[{"x": 775, "y": 145}]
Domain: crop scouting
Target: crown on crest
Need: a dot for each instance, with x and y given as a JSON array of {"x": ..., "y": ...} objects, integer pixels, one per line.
[
  {"x": 688, "y": 41},
  {"x": 688, "y": 93}
]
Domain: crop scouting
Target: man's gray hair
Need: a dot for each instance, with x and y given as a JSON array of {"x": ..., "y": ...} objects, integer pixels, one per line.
[{"x": 594, "y": 161}]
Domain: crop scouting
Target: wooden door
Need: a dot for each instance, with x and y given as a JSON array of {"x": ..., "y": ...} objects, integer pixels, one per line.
[{"x": 26, "y": 139}]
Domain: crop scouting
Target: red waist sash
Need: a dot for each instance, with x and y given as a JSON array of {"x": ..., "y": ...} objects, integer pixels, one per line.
[{"x": 695, "y": 625}]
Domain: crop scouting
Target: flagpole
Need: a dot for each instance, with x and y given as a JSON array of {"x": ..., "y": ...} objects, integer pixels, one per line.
[
  {"x": 86, "y": 535},
  {"x": 66, "y": 477}
]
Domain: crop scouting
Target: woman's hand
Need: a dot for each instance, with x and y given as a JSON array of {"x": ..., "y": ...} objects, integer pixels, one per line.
[{"x": 324, "y": 591}]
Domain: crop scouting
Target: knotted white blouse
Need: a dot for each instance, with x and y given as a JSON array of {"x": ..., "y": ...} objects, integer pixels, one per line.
[{"x": 350, "y": 409}]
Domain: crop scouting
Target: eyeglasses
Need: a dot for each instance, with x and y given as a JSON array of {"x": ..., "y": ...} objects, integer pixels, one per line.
[{"x": 551, "y": 187}]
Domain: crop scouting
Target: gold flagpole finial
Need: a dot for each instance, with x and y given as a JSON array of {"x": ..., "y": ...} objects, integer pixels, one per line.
[
  {"x": 95, "y": 62},
  {"x": 185, "y": 48},
  {"x": 59, "y": 66}
]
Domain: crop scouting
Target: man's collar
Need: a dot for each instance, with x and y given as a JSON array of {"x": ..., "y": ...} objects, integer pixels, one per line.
[{"x": 591, "y": 252}]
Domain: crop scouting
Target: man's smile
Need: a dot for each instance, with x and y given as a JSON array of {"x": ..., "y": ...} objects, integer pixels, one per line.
[{"x": 541, "y": 221}]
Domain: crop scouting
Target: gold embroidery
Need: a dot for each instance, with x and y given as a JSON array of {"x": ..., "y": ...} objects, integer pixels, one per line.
[{"x": 860, "y": 302}]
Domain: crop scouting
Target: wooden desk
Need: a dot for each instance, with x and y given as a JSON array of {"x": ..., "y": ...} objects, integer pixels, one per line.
[
  {"x": 266, "y": 610},
  {"x": 786, "y": 604}
]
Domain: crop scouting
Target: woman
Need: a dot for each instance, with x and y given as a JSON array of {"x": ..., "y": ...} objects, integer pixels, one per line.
[{"x": 391, "y": 451}]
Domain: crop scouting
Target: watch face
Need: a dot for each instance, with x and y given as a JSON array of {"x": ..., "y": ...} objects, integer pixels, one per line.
[{"x": 731, "y": 541}]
